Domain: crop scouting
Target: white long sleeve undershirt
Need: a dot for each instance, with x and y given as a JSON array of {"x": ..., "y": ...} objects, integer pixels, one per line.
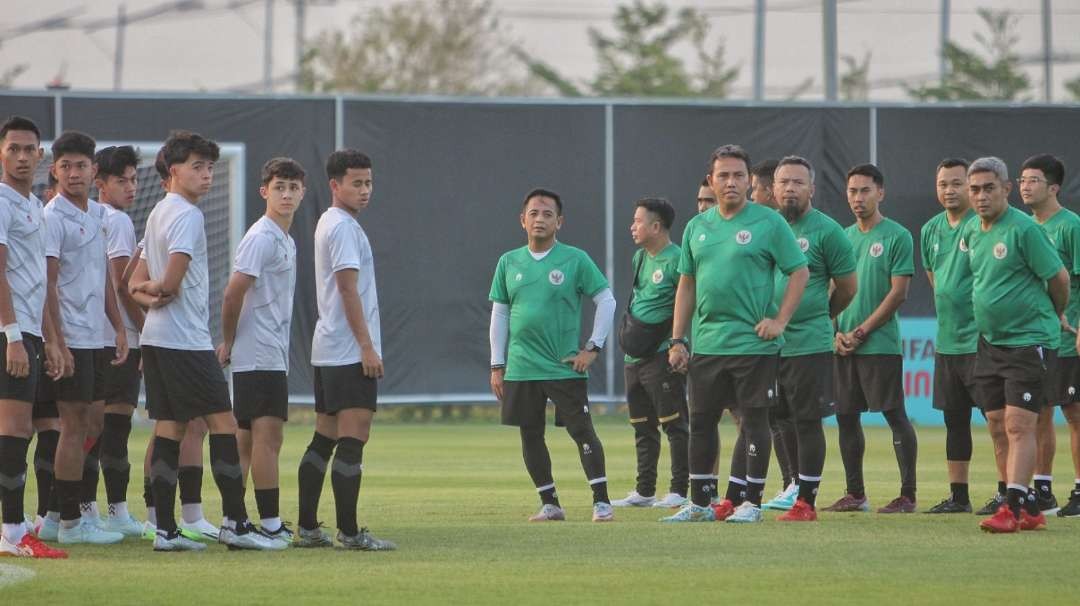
[{"x": 499, "y": 330}]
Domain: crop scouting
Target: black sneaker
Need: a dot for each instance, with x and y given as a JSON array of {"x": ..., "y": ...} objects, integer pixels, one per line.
[
  {"x": 1047, "y": 505},
  {"x": 950, "y": 506},
  {"x": 992, "y": 505},
  {"x": 1072, "y": 508}
]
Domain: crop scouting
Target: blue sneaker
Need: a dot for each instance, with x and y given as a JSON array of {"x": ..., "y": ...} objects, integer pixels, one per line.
[
  {"x": 747, "y": 513},
  {"x": 691, "y": 513},
  {"x": 785, "y": 500}
]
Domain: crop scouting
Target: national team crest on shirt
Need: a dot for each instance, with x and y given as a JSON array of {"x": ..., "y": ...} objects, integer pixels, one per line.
[
  {"x": 935, "y": 247},
  {"x": 517, "y": 277},
  {"x": 701, "y": 238},
  {"x": 876, "y": 249},
  {"x": 804, "y": 244},
  {"x": 963, "y": 245},
  {"x": 744, "y": 237},
  {"x": 658, "y": 276},
  {"x": 556, "y": 277},
  {"x": 1000, "y": 250}
]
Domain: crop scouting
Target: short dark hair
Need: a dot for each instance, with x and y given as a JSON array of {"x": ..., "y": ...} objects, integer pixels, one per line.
[
  {"x": 73, "y": 142},
  {"x": 1052, "y": 168},
  {"x": 705, "y": 182},
  {"x": 796, "y": 161},
  {"x": 113, "y": 160},
  {"x": 182, "y": 144},
  {"x": 953, "y": 163},
  {"x": 764, "y": 170},
  {"x": 866, "y": 170},
  {"x": 728, "y": 151},
  {"x": 159, "y": 165},
  {"x": 342, "y": 160},
  {"x": 546, "y": 193},
  {"x": 19, "y": 123},
  {"x": 659, "y": 207},
  {"x": 282, "y": 168},
  {"x": 52, "y": 179}
]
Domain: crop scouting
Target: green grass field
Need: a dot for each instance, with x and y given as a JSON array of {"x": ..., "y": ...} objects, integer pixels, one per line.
[{"x": 455, "y": 498}]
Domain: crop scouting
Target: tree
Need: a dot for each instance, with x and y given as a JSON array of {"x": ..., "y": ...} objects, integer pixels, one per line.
[
  {"x": 971, "y": 77},
  {"x": 7, "y": 76},
  {"x": 1073, "y": 86},
  {"x": 855, "y": 81},
  {"x": 450, "y": 47}
]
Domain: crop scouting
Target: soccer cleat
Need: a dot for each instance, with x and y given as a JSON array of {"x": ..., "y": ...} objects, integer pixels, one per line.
[
  {"x": 1001, "y": 522},
  {"x": 175, "y": 541},
  {"x": 801, "y": 511},
  {"x": 204, "y": 530},
  {"x": 602, "y": 512},
  {"x": 549, "y": 513},
  {"x": 722, "y": 510},
  {"x": 1072, "y": 508},
  {"x": 315, "y": 537},
  {"x": 785, "y": 499},
  {"x": 691, "y": 513},
  {"x": 282, "y": 534},
  {"x": 364, "y": 541},
  {"x": 86, "y": 531},
  {"x": 747, "y": 513},
  {"x": 1030, "y": 522},
  {"x": 900, "y": 504},
  {"x": 992, "y": 505},
  {"x": 849, "y": 503},
  {"x": 671, "y": 500},
  {"x": 30, "y": 547},
  {"x": 950, "y": 506},
  {"x": 1047, "y": 505},
  {"x": 47, "y": 529},
  {"x": 129, "y": 527},
  {"x": 633, "y": 499},
  {"x": 246, "y": 536}
]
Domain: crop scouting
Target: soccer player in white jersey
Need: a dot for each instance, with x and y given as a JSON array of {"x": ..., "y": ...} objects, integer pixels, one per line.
[
  {"x": 79, "y": 297},
  {"x": 346, "y": 352},
  {"x": 22, "y": 300},
  {"x": 183, "y": 378},
  {"x": 256, "y": 317}
]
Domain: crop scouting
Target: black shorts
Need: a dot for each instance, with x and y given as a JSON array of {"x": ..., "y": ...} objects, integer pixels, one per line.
[
  {"x": 1064, "y": 382},
  {"x": 79, "y": 387},
  {"x": 806, "y": 387},
  {"x": 524, "y": 403},
  {"x": 121, "y": 385},
  {"x": 24, "y": 389},
  {"x": 719, "y": 382},
  {"x": 873, "y": 382},
  {"x": 1013, "y": 376},
  {"x": 45, "y": 399},
  {"x": 655, "y": 394},
  {"x": 182, "y": 385},
  {"x": 954, "y": 381},
  {"x": 338, "y": 388},
  {"x": 260, "y": 393}
]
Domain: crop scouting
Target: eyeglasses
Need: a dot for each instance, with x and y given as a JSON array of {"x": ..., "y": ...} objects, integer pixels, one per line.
[{"x": 1031, "y": 180}]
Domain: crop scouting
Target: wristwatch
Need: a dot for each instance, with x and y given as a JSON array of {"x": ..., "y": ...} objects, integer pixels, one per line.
[
  {"x": 860, "y": 334},
  {"x": 680, "y": 341},
  {"x": 592, "y": 347}
]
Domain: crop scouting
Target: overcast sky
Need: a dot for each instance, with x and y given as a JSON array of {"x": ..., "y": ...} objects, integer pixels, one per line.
[{"x": 219, "y": 48}]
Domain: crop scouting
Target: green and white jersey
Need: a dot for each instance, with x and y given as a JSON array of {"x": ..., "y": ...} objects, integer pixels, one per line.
[
  {"x": 828, "y": 255},
  {"x": 885, "y": 251},
  {"x": 945, "y": 254},
  {"x": 1010, "y": 263},
  {"x": 1064, "y": 231},
  {"x": 654, "y": 295},
  {"x": 733, "y": 262},
  {"x": 545, "y": 309}
]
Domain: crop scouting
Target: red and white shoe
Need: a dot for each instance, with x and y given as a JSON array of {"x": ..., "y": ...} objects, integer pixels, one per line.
[
  {"x": 723, "y": 510},
  {"x": 30, "y": 547},
  {"x": 801, "y": 511},
  {"x": 1001, "y": 522},
  {"x": 1030, "y": 522}
]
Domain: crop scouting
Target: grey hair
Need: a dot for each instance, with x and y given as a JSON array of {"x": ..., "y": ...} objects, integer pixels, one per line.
[
  {"x": 990, "y": 164},
  {"x": 799, "y": 161}
]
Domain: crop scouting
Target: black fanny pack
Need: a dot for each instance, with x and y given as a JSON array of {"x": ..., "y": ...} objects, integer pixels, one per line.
[{"x": 637, "y": 338}]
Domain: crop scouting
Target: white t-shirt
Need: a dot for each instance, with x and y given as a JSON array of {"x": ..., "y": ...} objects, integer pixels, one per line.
[
  {"x": 340, "y": 243},
  {"x": 176, "y": 226},
  {"x": 76, "y": 239},
  {"x": 119, "y": 242},
  {"x": 22, "y": 231},
  {"x": 267, "y": 254}
]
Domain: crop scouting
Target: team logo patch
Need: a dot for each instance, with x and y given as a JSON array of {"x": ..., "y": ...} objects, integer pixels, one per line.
[
  {"x": 586, "y": 449},
  {"x": 876, "y": 249},
  {"x": 744, "y": 237},
  {"x": 1027, "y": 397},
  {"x": 1072, "y": 390},
  {"x": 963, "y": 245},
  {"x": 658, "y": 276},
  {"x": 752, "y": 450},
  {"x": 517, "y": 277},
  {"x": 1000, "y": 250},
  {"x": 701, "y": 238},
  {"x": 556, "y": 277},
  {"x": 935, "y": 246},
  {"x": 804, "y": 244}
]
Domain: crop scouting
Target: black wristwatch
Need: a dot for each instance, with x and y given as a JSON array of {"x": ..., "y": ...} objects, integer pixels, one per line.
[
  {"x": 592, "y": 347},
  {"x": 498, "y": 367},
  {"x": 679, "y": 341}
]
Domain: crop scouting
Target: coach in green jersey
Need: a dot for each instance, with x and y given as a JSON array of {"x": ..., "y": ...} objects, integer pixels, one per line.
[
  {"x": 728, "y": 259},
  {"x": 869, "y": 368},
  {"x": 1040, "y": 181},
  {"x": 1019, "y": 292},
  {"x": 947, "y": 268},
  {"x": 535, "y": 329},
  {"x": 655, "y": 394}
]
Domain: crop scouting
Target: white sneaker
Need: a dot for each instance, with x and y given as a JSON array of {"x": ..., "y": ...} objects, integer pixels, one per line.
[
  {"x": 246, "y": 536},
  {"x": 747, "y": 513},
  {"x": 671, "y": 500},
  {"x": 129, "y": 527},
  {"x": 47, "y": 529},
  {"x": 633, "y": 499},
  {"x": 202, "y": 528},
  {"x": 176, "y": 542},
  {"x": 602, "y": 512},
  {"x": 86, "y": 531},
  {"x": 549, "y": 513}
]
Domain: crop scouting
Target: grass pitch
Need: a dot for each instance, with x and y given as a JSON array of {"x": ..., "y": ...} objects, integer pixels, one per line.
[{"x": 455, "y": 497}]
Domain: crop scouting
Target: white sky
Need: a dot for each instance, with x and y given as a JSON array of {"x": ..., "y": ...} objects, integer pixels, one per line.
[{"x": 219, "y": 48}]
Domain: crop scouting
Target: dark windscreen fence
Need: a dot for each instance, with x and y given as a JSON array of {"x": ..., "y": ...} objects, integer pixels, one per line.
[{"x": 450, "y": 176}]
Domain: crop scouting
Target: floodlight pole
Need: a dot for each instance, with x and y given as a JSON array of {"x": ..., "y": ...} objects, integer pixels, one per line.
[
  {"x": 759, "y": 50},
  {"x": 118, "y": 51},
  {"x": 301, "y": 19},
  {"x": 943, "y": 64},
  {"x": 828, "y": 14},
  {"x": 1048, "y": 51},
  {"x": 268, "y": 48}
]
